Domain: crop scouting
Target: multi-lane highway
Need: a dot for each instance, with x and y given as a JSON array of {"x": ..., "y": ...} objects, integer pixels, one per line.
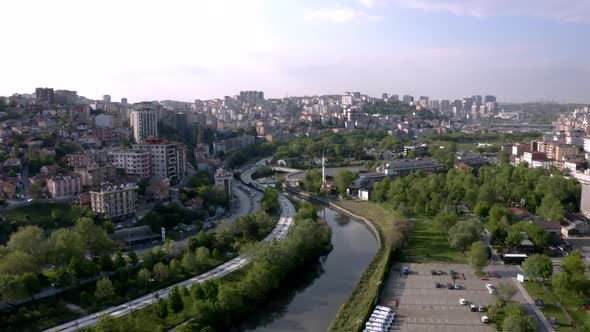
[{"x": 279, "y": 232}]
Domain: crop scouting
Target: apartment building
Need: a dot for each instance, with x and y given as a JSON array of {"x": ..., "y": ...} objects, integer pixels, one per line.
[
  {"x": 132, "y": 162},
  {"x": 94, "y": 174},
  {"x": 144, "y": 124},
  {"x": 167, "y": 158},
  {"x": 114, "y": 201},
  {"x": 64, "y": 186}
]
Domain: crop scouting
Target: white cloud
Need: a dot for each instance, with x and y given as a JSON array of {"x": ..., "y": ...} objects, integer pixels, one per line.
[
  {"x": 568, "y": 10},
  {"x": 367, "y": 3},
  {"x": 338, "y": 15}
]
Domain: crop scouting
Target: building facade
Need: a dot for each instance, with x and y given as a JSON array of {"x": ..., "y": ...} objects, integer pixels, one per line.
[
  {"x": 144, "y": 124},
  {"x": 132, "y": 162},
  {"x": 167, "y": 158},
  {"x": 64, "y": 186},
  {"x": 114, "y": 201}
]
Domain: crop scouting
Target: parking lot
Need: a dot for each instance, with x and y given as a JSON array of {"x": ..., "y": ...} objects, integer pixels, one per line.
[{"x": 423, "y": 307}]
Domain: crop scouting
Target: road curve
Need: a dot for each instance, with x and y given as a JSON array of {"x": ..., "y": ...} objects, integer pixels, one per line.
[{"x": 279, "y": 232}]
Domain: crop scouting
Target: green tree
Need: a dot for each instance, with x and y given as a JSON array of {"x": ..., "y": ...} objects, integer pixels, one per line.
[
  {"x": 148, "y": 260},
  {"x": 270, "y": 200},
  {"x": 132, "y": 257},
  {"x": 519, "y": 323},
  {"x": 505, "y": 292},
  {"x": 143, "y": 277},
  {"x": 12, "y": 288},
  {"x": 189, "y": 262},
  {"x": 30, "y": 240},
  {"x": 161, "y": 308},
  {"x": 477, "y": 255},
  {"x": 464, "y": 233},
  {"x": 120, "y": 260},
  {"x": 551, "y": 208},
  {"x": 161, "y": 272},
  {"x": 175, "y": 300},
  {"x": 94, "y": 238},
  {"x": 108, "y": 227},
  {"x": 344, "y": 179},
  {"x": 444, "y": 221},
  {"x": 56, "y": 214},
  {"x": 104, "y": 289},
  {"x": 573, "y": 264},
  {"x": 18, "y": 262},
  {"x": 31, "y": 283},
  {"x": 313, "y": 180},
  {"x": 65, "y": 244},
  {"x": 514, "y": 238},
  {"x": 497, "y": 212},
  {"x": 203, "y": 257},
  {"x": 174, "y": 267},
  {"x": 538, "y": 267}
]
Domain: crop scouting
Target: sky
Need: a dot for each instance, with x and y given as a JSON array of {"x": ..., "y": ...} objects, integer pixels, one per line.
[{"x": 518, "y": 50}]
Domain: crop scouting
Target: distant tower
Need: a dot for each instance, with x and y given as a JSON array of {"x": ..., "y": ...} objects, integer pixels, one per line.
[{"x": 323, "y": 167}]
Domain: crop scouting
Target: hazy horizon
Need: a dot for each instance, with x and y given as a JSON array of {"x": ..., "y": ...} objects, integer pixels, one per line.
[{"x": 529, "y": 50}]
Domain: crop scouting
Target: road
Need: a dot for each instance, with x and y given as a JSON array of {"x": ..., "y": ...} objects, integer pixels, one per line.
[
  {"x": 279, "y": 232},
  {"x": 510, "y": 272}
]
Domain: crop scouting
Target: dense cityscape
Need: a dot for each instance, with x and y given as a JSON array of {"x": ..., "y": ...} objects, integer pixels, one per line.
[{"x": 295, "y": 166}]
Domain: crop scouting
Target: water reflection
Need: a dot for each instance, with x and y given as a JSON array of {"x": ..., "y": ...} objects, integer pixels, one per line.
[{"x": 311, "y": 299}]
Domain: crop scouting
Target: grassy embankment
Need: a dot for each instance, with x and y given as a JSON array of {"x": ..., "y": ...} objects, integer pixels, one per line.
[
  {"x": 552, "y": 308},
  {"x": 392, "y": 231}
]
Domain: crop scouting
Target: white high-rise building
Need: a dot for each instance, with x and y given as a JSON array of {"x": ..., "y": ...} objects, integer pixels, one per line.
[
  {"x": 144, "y": 124},
  {"x": 167, "y": 159}
]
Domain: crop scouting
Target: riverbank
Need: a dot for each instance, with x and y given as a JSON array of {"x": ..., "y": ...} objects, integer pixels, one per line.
[
  {"x": 391, "y": 231},
  {"x": 221, "y": 304}
]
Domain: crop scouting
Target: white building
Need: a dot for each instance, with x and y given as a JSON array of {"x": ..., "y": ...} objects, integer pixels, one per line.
[
  {"x": 64, "y": 186},
  {"x": 114, "y": 201},
  {"x": 144, "y": 124},
  {"x": 167, "y": 158},
  {"x": 132, "y": 162}
]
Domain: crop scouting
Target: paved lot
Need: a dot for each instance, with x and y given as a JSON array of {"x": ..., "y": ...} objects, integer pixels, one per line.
[{"x": 422, "y": 307}]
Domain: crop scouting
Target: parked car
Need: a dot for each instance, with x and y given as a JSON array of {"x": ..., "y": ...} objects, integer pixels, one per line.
[
  {"x": 450, "y": 286},
  {"x": 481, "y": 308},
  {"x": 462, "y": 301},
  {"x": 473, "y": 308},
  {"x": 493, "y": 274},
  {"x": 485, "y": 319},
  {"x": 457, "y": 286},
  {"x": 437, "y": 285}
]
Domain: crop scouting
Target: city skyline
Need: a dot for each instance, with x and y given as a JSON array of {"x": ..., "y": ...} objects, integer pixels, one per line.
[{"x": 184, "y": 51}]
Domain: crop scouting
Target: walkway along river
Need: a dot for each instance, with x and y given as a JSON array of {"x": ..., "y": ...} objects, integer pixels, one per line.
[{"x": 312, "y": 298}]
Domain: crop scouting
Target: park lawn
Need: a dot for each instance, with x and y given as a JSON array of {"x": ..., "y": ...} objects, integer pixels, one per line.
[
  {"x": 39, "y": 214},
  {"x": 427, "y": 245},
  {"x": 360, "y": 303},
  {"x": 551, "y": 307}
]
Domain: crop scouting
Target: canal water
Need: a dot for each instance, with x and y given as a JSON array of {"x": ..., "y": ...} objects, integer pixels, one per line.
[{"x": 310, "y": 301}]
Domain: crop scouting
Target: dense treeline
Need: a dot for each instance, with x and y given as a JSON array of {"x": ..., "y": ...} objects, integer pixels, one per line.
[
  {"x": 20, "y": 265},
  {"x": 482, "y": 137},
  {"x": 220, "y": 304},
  {"x": 337, "y": 147},
  {"x": 534, "y": 189}
]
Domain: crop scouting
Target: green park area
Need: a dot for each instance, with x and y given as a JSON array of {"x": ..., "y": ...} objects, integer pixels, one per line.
[
  {"x": 44, "y": 215},
  {"x": 392, "y": 231},
  {"x": 428, "y": 245}
]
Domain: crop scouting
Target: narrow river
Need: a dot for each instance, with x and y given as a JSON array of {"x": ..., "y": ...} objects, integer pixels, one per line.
[{"x": 312, "y": 298}]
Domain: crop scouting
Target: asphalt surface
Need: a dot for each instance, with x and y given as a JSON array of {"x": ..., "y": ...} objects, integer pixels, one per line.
[{"x": 279, "y": 232}]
